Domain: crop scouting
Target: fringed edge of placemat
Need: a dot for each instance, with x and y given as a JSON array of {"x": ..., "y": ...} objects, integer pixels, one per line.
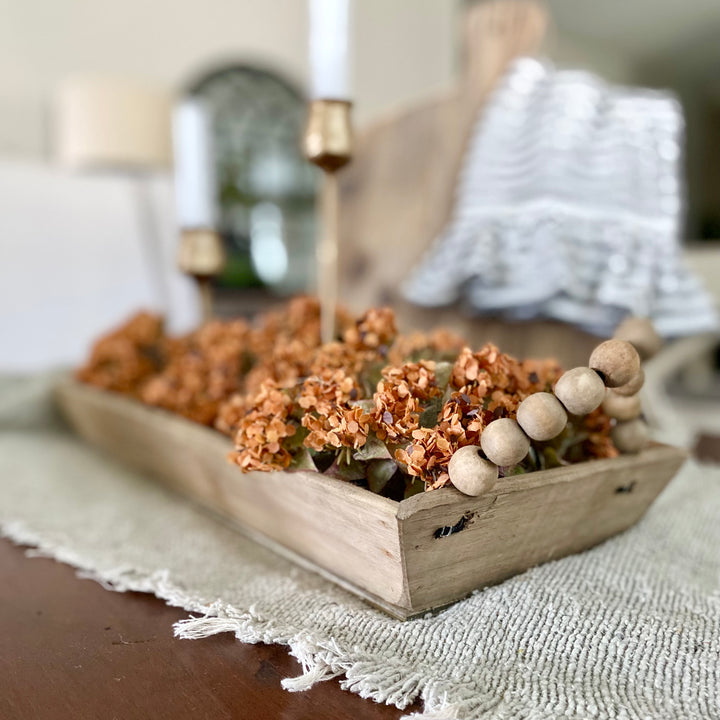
[{"x": 382, "y": 680}]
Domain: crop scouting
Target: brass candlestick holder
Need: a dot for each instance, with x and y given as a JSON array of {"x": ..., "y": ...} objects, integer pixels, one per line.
[
  {"x": 202, "y": 256},
  {"x": 327, "y": 143}
]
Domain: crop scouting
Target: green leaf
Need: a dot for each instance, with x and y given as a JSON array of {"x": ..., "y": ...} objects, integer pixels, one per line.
[
  {"x": 379, "y": 473},
  {"x": 429, "y": 416},
  {"x": 569, "y": 439},
  {"x": 373, "y": 449},
  {"x": 551, "y": 458},
  {"x": 353, "y": 470},
  {"x": 533, "y": 459},
  {"x": 413, "y": 486},
  {"x": 302, "y": 460},
  {"x": 370, "y": 377},
  {"x": 294, "y": 442},
  {"x": 443, "y": 370},
  {"x": 367, "y": 405}
]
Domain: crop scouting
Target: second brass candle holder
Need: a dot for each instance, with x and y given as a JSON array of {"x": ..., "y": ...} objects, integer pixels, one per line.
[
  {"x": 202, "y": 256},
  {"x": 327, "y": 143}
]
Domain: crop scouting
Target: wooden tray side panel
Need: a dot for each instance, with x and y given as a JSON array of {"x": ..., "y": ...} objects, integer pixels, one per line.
[
  {"x": 341, "y": 528},
  {"x": 518, "y": 527},
  {"x": 408, "y": 557}
]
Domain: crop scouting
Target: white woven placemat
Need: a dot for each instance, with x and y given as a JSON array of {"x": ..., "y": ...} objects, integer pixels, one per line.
[{"x": 630, "y": 629}]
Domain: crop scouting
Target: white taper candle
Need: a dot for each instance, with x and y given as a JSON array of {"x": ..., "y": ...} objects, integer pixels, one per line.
[
  {"x": 329, "y": 49},
  {"x": 195, "y": 183}
]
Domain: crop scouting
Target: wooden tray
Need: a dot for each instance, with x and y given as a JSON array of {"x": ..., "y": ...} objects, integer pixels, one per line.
[{"x": 405, "y": 557}]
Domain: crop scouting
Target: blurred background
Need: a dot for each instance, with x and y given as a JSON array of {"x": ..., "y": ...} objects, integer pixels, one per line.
[
  {"x": 250, "y": 55},
  {"x": 89, "y": 236}
]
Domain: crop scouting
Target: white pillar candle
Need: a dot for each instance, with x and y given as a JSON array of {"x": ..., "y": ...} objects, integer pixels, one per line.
[
  {"x": 329, "y": 49},
  {"x": 195, "y": 184}
]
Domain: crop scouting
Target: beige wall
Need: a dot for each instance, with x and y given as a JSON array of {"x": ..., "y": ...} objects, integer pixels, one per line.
[
  {"x": 404, "y": 48},
  {"x": 569, "y": 51}
]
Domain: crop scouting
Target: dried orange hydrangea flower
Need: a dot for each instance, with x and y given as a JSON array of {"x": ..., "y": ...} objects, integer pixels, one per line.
[
  {"x": 599, "y": 443},
  {"x": 286, "y": 344},
  {"x": 285, "y": 365},
  {"x": 439, "y": 344},
  {"x": 338, "y": 355},
  {"x": 197, "y": 380},
  {"x": 329, "y": 415},
  {"x": 343, "y": 427},
  {"x": 124, "y": 359},
  {"x": 375, "y": 330},
  {"x": 538, "y": 376},
  {"x": 321, "y": 393},
  {"x": 399, "y": 398},
  {"x": 262, "y": 430},
  {"x": 231, "y": 412}
]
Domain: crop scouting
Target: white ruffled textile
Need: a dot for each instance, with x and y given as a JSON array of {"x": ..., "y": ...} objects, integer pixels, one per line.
[
  {"x": 627, "y": 631},
  {"x": 569, "y": 207}
]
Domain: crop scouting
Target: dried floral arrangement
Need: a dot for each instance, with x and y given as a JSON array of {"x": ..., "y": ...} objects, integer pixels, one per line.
[{"x": 376, "y": 408}]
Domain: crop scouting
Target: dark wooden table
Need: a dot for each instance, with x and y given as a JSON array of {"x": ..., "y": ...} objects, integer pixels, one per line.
[{"x": 71, "y": 649}]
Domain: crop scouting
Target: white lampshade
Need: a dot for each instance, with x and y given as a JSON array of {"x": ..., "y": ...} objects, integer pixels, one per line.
[{"x": 105, "y": 122}]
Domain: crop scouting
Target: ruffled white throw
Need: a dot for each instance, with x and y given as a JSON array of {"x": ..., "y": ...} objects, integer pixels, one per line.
[
  {"x": 627, "y": 631},
  {"x": 569, "y": 206}
]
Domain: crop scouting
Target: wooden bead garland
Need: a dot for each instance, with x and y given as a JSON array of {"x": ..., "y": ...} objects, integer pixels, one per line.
[
  {"x": 617, "y": 362},
  {"x": 633, "y": 387},
  {"x": 470, "y": 473},
  {"x": 613, "y": 379},
  {"x": 541, "y": 416},
  {"x": 620, "y": 407},
  {"x": 580, "y": 390},
  {"x": 631, "y": 433},
  {"x": 631, "y": 436},
  {"x": 504, "y": 442},
  {"x": 641, "y": 334}
]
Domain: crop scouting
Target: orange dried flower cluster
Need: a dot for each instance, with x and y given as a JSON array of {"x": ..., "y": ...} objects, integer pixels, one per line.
[
  {"x": 329, "y": 415},
  {"x": 262, "y": 430},
  {"x": 598, "y": 444},
  {"x": 343, "y": 427},
  {"x": 340, "y": 356},
  {"x": 399, "y": 397},
  {"x": 439, "y": 344},
  {"x": 322, "y": 393},
  {"x": 487, "y": 385},
  {"x": 285, "y": 342},
  {"x": 428, "y": 456},
  {"x": 375, "y": 330},
  {"x": 204, "y": 370},
  {"x": 124, "y": 359},
  {"x": 283, "y": 396},
  {"x": 197, "y": 375}
]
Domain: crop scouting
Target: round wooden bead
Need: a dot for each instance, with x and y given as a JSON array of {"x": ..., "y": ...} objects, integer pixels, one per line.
[
  {"x": 633, "y": 387},
  {"x": 580, "y": 390},
  {"x": 541, "y": 416},
  {"x": 617, "y": 362},
  {"x": 641, "y": 333},
  {"x": 631, "y": 436},
  {"x": 470, "y": 473},
  {"x": 504, "y": 443},
  {"x": 620, "y": 407}
]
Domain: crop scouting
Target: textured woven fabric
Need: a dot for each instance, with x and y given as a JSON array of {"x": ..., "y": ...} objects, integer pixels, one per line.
[
  {"x": 628, "y": 630},
  {"x": 569, "y": 206}
]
